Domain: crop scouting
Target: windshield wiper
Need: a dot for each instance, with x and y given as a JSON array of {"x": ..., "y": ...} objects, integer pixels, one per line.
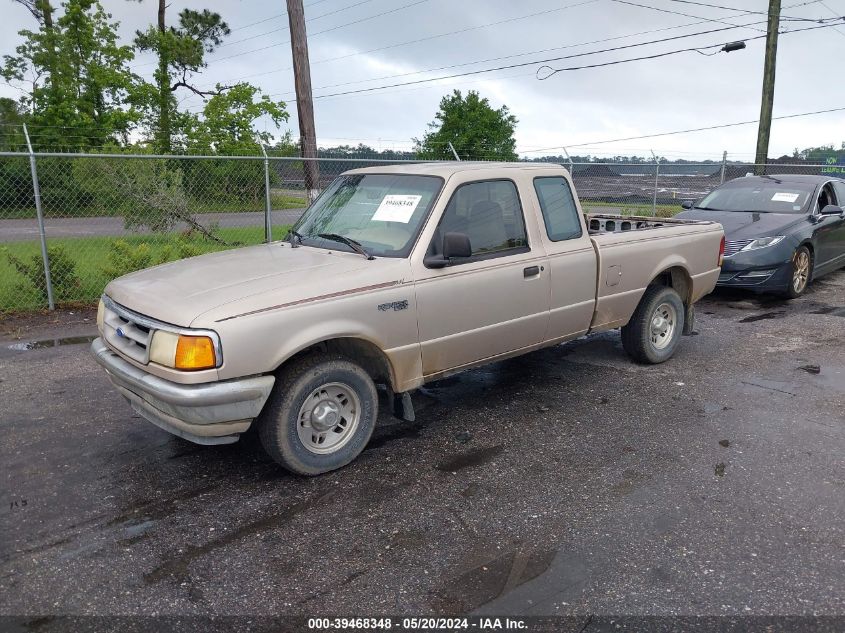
[
  {"x": 293, "y": 234},
  {"x": 355, "y": 246}
]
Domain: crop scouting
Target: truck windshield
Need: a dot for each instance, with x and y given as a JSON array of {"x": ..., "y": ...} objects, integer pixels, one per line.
[
  {"x": 381, "y": 212},
  {"x": 757, "y": 195}
]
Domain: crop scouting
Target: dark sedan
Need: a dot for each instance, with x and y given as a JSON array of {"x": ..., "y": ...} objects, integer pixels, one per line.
[{"x": 781, "y": 231}]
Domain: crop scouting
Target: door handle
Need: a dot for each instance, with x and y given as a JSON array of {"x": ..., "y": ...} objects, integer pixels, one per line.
[{"x": 531, "y": 271}]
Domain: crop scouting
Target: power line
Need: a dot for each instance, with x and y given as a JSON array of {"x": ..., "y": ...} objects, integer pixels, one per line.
[
  {"x": 686, "y": 15},
  {"x": 697, "y": 129},
  {"x": 516, "y": 18},
  {"x": 605, "y": 50},
  {"x": 408, "y": 42},
  {"x": 329, "y": 30},
  {"x": 698, "y": 49},
  {"x": 545, "y": 61},
  {"x": 842, "y": 33},
  {"x": 481, "y": 61},
  {"x": 716, "y": 6},
  {"x": 285, "y": 28}
]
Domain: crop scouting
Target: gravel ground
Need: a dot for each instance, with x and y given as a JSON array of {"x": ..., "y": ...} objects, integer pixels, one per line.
[{"x": 568, "y": 481}]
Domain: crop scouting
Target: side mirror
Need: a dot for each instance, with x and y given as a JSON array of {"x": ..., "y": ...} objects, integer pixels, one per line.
[
  {"x": 687, "y": 204},
  {"x": 832, "y": 209},
  {"x": 454, "y": 245}
]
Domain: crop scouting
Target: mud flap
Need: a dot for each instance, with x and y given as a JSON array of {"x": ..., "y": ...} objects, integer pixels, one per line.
[
  {"x": 689, "y": 320},
  {"x": 403, "y": 408}
]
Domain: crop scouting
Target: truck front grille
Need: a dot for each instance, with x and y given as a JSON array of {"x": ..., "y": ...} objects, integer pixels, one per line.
[
  {"x": 124, "y": 333},
  {"x": 732, "y": 247}
]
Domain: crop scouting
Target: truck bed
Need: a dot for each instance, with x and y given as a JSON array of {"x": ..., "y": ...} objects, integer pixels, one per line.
[{"x": 598, "y": 223}]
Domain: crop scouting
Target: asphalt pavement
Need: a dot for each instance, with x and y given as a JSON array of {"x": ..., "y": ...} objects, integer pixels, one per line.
[{"x": 566, "y": 482}]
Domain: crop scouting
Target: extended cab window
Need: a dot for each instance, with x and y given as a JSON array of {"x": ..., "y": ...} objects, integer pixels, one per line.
[
  {"x": 489, "y": 213},
  {"x": 558, "y": 207}
]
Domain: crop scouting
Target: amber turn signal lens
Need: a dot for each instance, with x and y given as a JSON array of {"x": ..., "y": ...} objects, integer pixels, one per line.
[{"x": 195, "y": 352}]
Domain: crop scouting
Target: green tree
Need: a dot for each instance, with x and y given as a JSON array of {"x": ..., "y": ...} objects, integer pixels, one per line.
[
  {"x": 181, "y": 54},
  {"x": 821, "y": 153},
  {"x": 226, "y": 126},
  {"x": 474, "y": 128},
  {"x": 76, "y": 76}
]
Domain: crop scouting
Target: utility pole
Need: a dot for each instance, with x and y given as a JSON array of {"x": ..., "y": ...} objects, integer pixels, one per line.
[
  {"x": 768, "y": 87},
  {"x": 304, "y": 103}
]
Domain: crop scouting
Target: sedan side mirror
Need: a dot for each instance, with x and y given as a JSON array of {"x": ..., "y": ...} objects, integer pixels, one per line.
[
  {"x": 454, "y": 245},
  {"x": 832, "y": 209},
  {"x": 687, "y": 204}
]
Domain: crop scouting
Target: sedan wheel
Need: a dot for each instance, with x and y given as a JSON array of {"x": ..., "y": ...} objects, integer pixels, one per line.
[{"x": 802, "y": 270}]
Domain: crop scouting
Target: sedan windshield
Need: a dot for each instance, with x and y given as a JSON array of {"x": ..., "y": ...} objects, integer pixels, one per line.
[
  {"x": 382, "y": 213},
  {"x": 758, "y": 195}
]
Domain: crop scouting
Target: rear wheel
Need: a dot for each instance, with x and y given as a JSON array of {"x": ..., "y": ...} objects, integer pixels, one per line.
[
  {"x": 652, "y": 334},
  {"x": 801, "y": 271},
  {"x": 320, "y": 415}
]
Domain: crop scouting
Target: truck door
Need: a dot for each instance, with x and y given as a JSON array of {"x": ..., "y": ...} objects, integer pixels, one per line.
[
  {"x": 495, "y": 301},
  {"x": 572, "y": 259}
]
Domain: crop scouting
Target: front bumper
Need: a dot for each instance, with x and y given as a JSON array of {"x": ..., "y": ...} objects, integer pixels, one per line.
[
  {"x": 761, "y": 278},
  {"x": 208, "y": 413}
]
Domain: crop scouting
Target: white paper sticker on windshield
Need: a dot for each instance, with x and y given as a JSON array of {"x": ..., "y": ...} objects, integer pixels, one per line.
[
  {"x": 785, "y": 197},
  {"x": 396, "y": 208}
]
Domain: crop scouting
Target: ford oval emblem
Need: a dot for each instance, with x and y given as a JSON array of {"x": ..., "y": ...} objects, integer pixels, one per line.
[{"x": 120, "y": 332}]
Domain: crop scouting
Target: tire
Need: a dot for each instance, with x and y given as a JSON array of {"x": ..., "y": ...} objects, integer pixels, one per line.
[
  {"x": 800, "y": 273},
  {"x": 644, "y": 338},
  {"x": 313, "y": 397}
]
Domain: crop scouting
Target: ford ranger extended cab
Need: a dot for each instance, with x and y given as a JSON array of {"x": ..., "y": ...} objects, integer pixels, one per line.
[{"x": 396, "y": 275}]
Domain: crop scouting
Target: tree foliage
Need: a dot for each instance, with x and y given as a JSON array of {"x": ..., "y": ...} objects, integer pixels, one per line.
[
  {"x": 75, "y": 77},
  {"x": 227, "y": 122},
  {"x": 473, "y": 126},
  {"x": 181, "y": 54}
]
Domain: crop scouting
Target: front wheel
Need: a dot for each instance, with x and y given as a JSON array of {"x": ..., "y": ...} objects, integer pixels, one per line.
[
  {"x": 654, "y": 331},
  {"x": 801, "y": 271},
  {"x": 320, "y": 416}
]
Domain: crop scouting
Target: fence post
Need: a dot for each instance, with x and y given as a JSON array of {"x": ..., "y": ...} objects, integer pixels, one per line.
[
  {"x": 656, "y": 177},
  {"x": 454, "y": 153},
  {"x": 724, "y": 164},
  {"x": 268, "y": 228},
  {"x": 36, "y": 189}
]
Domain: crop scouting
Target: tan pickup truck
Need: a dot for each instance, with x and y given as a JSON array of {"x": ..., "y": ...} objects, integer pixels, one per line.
[{"x": 396, "y": 275}]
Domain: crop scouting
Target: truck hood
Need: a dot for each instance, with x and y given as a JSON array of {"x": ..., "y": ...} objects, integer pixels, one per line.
[
  {"x": 741, "y": 225},
  {"x": 179, "y": 292}
]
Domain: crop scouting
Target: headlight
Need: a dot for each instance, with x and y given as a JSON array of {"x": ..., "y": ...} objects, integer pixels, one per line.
[
  {"x": 763, "y": 242},
  {"x": 181, "y": 351},
  {"x": 101, "y": 313}
]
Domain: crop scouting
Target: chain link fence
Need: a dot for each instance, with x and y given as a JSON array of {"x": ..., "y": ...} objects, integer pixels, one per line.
[{"x": 107, "y": 215}]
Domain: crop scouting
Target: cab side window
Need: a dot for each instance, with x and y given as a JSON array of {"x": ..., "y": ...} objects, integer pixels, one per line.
[
  {"x": 490, "y": 214},
  {"x": 557, "y": 204}
]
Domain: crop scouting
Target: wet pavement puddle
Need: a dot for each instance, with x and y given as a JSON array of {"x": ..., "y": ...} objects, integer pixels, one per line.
[
  {"x": 26, "y": 346},
  {"x": 831, "y": 310},
  {"x": 474, "y": 457}
]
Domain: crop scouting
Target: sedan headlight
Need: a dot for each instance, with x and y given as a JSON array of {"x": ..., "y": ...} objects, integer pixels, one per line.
[
  {"x": 182, "y": 351},
  {"x": 763, "y": 242}
]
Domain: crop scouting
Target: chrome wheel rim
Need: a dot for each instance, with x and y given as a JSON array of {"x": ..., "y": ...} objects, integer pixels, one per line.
[
  {"x": 801, "y": 267},
  {"x": 663, "y": 322},
  {"x": 328, "y": 418}
]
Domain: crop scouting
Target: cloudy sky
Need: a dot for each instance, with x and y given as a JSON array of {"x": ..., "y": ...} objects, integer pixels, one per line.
[{"x": 360, "y": 44}]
